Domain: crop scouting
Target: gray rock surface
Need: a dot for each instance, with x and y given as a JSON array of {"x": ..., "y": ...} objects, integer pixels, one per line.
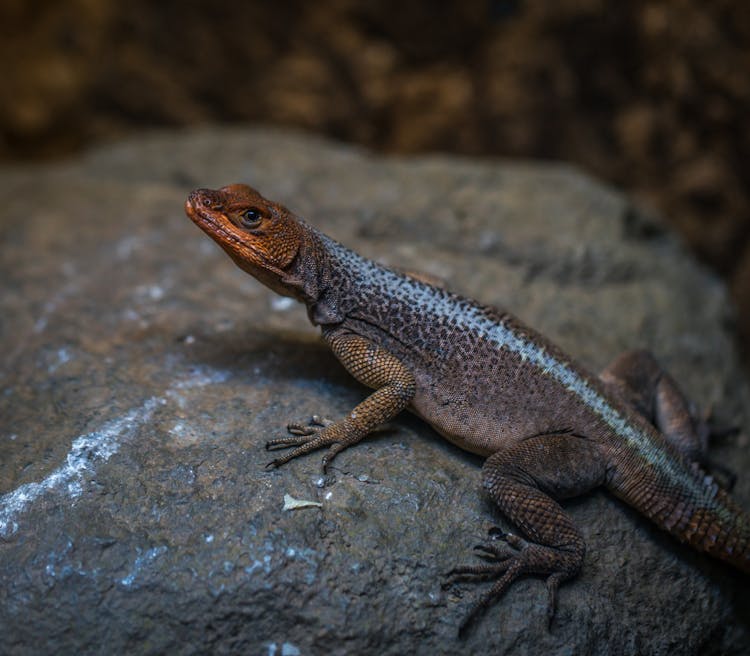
[{"x": 142, "y": 372}]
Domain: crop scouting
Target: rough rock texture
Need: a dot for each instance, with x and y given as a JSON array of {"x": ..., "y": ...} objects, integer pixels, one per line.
[{"x": 142, "y": 372}]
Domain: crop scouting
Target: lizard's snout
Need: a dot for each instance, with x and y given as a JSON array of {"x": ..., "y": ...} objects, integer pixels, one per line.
[{"x": 203, "y": 199}]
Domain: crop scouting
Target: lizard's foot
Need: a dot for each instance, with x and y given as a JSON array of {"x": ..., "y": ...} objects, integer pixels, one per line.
[
  {"x": 302, "y": 433},
  {"x": 711, "y": 431},
  {"x": 314, "y": 426},
  {"x": 308, "y": 437},
  {"x": 506, "y": 563}
]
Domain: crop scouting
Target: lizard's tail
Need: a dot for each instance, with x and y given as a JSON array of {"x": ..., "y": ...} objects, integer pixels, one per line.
[
  {"x": 691, "y": 507},
  {"x": 722, "y": 531}
]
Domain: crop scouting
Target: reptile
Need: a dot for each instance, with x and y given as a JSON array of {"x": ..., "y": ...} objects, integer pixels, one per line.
[{"x": 549, "y": 430}]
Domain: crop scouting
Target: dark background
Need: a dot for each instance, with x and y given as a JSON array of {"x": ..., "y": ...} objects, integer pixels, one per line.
[{"x": 651, "y": 96}]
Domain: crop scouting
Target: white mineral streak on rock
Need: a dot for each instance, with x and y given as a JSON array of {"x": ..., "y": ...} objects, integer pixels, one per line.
[
  {"x": 88, "y": 449},
  {"x": 101, "y": 444}
]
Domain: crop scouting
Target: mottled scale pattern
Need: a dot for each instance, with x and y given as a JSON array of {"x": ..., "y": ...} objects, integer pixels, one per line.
[
  {"x": 495, "y": 387},
  {"x": 486, "y": 381}
]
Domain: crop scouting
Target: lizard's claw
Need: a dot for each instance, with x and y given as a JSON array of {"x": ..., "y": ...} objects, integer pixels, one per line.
[
  {"x": 315, "y": 425},
  {"x": 303, "y": 438},
  {"x": 306, "y": 438},
  {"x": 506, "y": 563},
  {"x": 490, "y": 552},
  {"x": 300, "y": 433}
]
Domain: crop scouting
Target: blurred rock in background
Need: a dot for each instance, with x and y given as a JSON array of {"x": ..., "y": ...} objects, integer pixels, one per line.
[{"x": 652, "y": 96}]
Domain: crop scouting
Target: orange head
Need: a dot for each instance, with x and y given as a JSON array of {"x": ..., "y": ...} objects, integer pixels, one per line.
[{"x": 262, "y": 237}]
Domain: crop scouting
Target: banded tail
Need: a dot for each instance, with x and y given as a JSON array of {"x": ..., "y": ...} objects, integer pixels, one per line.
[{"x": 682, "y": 500}]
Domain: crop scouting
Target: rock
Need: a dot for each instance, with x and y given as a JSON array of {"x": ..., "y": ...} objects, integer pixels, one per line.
[{"x": 142, "y": 373}]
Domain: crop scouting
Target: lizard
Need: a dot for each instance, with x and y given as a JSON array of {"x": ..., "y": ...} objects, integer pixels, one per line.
[{"x": 548, "y": 428}]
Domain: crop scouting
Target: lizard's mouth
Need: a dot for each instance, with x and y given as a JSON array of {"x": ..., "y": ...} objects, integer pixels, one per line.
[{"x": 208, "y": 216}]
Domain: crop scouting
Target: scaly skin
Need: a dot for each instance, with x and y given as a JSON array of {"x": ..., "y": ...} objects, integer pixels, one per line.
[{"x": 492, "y": 386}]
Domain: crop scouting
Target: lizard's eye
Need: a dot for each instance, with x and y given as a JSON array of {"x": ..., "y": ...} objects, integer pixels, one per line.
[{"x": 250, "y": 218}]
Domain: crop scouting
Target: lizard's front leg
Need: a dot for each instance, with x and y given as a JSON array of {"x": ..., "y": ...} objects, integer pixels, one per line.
[{"x": 375, "y": 367}]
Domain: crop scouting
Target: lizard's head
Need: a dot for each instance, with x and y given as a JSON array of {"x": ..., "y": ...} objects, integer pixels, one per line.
[{"x": 262, "y": 237}]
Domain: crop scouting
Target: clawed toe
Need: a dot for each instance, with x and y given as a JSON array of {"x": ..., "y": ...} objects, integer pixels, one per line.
[
  {"x": 509, "y": 561},
  {"x": 507, "y": 574},
  {"x": 313, "y": 426},
  {"x": 301, "y": 434},
  {"x": 306, "y": 439},
  {"x": 299, "y": 429},
  {"x": 475, "y": 573},
  {"x": 491, "y": 552},
  {"x": 286, "y": 442}
]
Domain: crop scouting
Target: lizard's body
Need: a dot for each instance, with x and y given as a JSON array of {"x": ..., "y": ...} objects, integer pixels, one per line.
[
  {"x": 476, "y": 368},
  {"x": 491, "y": 386}
]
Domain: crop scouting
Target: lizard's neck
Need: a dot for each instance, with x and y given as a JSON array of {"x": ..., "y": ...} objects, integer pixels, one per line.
[{"x": 333, "y": 276}]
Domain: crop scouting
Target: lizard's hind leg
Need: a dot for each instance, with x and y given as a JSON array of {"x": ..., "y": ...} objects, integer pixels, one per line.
[
  {"x": 637, "y": 378},
  {"x": 522, "y": 480}
]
